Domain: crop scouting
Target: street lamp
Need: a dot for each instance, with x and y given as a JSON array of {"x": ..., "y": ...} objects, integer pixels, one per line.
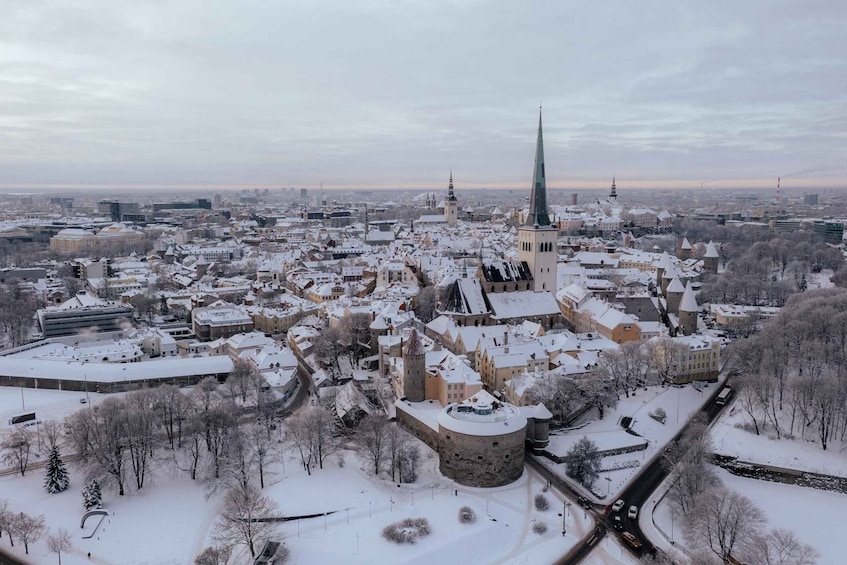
[{"x": 565, "y": 518}]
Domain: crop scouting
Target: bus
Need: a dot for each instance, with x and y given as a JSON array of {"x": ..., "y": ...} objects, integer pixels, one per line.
[{"x": 723, "y": 396}]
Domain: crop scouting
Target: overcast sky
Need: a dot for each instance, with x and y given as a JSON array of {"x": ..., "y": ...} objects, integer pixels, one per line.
[{"x": 396, "y": 93}]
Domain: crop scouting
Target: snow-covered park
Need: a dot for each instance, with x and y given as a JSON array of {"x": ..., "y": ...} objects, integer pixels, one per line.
[
  {"x": 172, "y": 518},
  {"x": 814, "y": 515},
  {"x": 679, "y": 404},
  {"x": 731, "y": 436}
]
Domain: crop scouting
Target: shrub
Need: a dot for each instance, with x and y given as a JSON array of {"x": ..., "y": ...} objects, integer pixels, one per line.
[
  {"x": 541, "y": 502},
  {"x": 467, "y": 515},
  {"x": 539, "y": 528},
  {"x": 407, "y": 531}
]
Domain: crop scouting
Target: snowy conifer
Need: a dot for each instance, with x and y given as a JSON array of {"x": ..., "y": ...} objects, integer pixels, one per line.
[
  {"x": 56, "y": 479},
  {"x": 91, "y": 496}
]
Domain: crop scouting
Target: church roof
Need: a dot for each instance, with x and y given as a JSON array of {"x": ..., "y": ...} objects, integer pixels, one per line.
[
  {"x": 506, "y": 271},
  {"x": 466, "y": 296}
]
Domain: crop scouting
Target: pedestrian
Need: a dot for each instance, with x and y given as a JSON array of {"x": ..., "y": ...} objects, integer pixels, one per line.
[{"x": 89, "y": 555}]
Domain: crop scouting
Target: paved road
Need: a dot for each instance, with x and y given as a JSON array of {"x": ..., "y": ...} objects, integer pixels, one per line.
[
  {"x": 651, "y": 476},
  {"x": 641, "y": 488}
]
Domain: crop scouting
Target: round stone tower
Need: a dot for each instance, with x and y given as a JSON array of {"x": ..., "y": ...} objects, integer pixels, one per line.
[
  {"x": 414, "y": 369},
  {"x": 481, "y": 441}
]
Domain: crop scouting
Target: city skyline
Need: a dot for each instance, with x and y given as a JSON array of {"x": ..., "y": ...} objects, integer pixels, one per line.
[{"x": 375, "y": 95}]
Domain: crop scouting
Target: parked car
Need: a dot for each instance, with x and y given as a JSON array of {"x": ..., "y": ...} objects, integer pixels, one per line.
[
  {"x": 616, "y": 507},
  {"x": 631, "y": 540},
  {"x": 633, "y": 512}
]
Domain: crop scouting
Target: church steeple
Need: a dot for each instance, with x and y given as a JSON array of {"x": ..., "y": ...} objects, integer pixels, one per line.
[
  {"x": 538, "y": 197},
  {"x": 451, "y": 205},
  {"x": 613, "y": 195},
  {"x": 450, "y": 196}
]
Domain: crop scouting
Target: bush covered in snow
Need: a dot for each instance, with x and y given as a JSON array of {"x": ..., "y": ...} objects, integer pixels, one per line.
[
  {"x": 541, "y": 502},
  {"x": 539, "y": 528},
  {"x": 407, "y": 531},
  {"x": 467, "y": 515}
]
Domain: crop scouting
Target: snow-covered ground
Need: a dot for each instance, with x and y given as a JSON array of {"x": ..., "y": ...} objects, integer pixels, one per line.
[
  {"x": 679, "y": 403},
  {"x": 728, "y": 438},
  {"x": 814, "y": 515},
  {"x": 172, "y": 518}
]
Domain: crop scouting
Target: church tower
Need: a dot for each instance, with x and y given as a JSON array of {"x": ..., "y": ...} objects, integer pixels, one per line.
[
  {"x": 451, "y": 205},
  {"x": 537, "y": 238},
  {"x": 613, "y": 194},
  {"x": 414, "y": 369}
]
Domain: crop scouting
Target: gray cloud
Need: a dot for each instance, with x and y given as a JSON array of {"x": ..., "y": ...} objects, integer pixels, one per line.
[{"x": 396, "y": 93}]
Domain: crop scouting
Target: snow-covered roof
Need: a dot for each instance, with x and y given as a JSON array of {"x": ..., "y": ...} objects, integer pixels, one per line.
[
  {"x": 688, "y": 302},
  {"x": 482, "y": 415}
]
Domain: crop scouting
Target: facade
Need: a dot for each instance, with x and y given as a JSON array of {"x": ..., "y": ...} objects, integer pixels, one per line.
[
  {"x": 83, "y": 313},
  {"x": 220, "y": 320},
  {"x": 831, "y": 232}
]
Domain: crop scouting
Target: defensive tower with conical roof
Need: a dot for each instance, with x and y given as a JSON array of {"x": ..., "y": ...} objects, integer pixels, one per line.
[
  {"x": 451, "y": 205},
  {"x": 414, "y": 368},
  {"x": 537, "y": 238},
  {"x": 711, "y": 258},
  {"x": 688, "y": 309}
]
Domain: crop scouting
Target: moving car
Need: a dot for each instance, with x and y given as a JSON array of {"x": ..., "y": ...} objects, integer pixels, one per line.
[
  {"x": 631, "y": 540},
  {"x": 617, "y": 523},
  {"x": 633, "y": 512},
  {"x": 616, "y": 507}
]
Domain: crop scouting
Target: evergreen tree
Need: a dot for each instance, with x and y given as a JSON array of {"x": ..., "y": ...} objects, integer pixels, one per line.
[
  {"x": 91, "y": 495},
  {"x": 56, "y": 479}
]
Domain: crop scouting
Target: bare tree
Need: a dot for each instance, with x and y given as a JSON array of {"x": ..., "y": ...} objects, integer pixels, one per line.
[
  {"x": 140, "y": 433},
  {"x": 371, "y": 436},
  {"x": 28, "y": 529},
  {"x": 220, "y": 423},
  {"x": 297, "y": 435},
  {"x": 262, "y": 445},
  {"x": 16, "y": 449},
  {"x": 59, "y": 542},
  {"x": 779, "y": 547},
  {"x": 218, "y": 555},
  {"x": 52, "y": 431},
  {"x": 689, "y": 459},
  {"x": 321, "y": 426},
  {"x": 666, "y": 357},
  {"x": 100, "y": 438},
  {"x": 6, "y": 519},
  {"x": 396, "y": 442},
  {"x": 242, "y": 381},
  {"x": 328, "y": 346},
  {"x": 244, "y": 519},
  {"x": 426, "y": 303},
  {"x": 171, "y": 409},
  {"x": 722, "y": 520}
]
